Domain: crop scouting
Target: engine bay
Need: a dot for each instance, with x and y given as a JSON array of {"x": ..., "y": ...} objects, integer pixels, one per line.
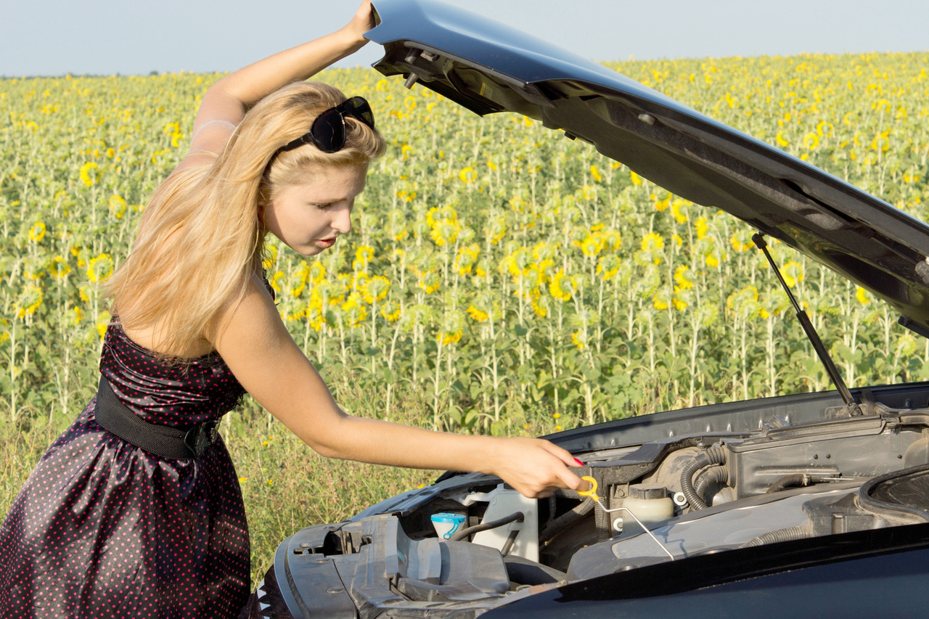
[{"x": 472, "y": 543}]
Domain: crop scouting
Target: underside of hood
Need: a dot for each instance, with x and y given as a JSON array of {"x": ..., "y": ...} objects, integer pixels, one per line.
[{"x": 487, "y": 67}]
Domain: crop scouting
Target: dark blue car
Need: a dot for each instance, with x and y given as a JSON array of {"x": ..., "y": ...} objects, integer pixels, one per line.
[{"x": 812, "y": 505}]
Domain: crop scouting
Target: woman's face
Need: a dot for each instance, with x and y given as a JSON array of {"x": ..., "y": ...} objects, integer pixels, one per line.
[{"x": 309, "y": 216}]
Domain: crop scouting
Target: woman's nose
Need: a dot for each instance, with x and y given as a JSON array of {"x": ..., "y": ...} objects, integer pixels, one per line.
[{"x": 342, "y": 220}]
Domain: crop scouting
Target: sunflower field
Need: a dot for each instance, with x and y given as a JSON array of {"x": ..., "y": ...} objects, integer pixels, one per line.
[{"x": 499, "y": 278}]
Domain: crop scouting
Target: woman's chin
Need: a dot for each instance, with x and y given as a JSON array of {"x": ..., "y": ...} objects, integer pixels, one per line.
[{"x": 306, "y": 249}]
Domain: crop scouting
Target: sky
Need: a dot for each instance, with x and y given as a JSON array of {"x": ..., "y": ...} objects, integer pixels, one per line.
[{"x": 54, "y": 37}]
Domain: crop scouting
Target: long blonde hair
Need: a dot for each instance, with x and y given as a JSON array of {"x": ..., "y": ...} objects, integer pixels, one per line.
[{"x": 201, "y": 235}]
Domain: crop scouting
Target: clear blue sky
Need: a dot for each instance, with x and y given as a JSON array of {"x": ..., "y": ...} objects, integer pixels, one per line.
[{"x": 52, "y": 37}]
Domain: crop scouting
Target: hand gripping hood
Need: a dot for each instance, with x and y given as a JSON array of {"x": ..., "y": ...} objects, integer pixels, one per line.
[{"x": 488, "y": 67}]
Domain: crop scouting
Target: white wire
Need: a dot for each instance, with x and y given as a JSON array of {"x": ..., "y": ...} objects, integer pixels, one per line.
[{"x": 639, "y": 522}]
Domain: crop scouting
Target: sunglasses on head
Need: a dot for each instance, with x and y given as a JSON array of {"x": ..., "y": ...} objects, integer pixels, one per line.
[{"x": 327, "y": 133}]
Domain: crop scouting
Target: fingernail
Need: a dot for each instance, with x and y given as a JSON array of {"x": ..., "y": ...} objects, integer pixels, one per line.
[{"x": 579, "y": 463}]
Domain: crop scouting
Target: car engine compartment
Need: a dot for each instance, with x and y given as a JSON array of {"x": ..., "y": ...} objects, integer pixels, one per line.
[{"x": 696, "y": 494}]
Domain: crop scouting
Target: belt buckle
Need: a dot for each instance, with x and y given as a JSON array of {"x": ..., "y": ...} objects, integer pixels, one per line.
[{"x": 199, "y": 438}]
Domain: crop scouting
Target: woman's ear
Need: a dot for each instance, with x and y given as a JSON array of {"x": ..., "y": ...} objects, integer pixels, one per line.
[{"x": 263, "y": 199}]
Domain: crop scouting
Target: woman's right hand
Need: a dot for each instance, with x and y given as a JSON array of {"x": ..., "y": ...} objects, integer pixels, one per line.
[{"x": 534, "y": 467}]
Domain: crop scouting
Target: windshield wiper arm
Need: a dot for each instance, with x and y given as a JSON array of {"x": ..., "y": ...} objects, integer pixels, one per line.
[{"x": 833, "y": 372}]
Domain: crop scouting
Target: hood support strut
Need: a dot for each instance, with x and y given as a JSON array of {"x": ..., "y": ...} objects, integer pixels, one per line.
[{"x": 853, "y": 408}]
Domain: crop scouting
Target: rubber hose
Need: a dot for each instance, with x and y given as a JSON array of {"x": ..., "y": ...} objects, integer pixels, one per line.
[
  {"x": 715, "y": 454},
  {"x": 707, "y": 477},
  {"x": 508, "y": 544},
  {"x": 780, "y": 535},
  {"x": 493, "y": 524},
  {"x": 562, "y": 522}
]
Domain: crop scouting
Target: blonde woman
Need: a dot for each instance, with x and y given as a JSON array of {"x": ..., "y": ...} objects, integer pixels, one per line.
[{"x": 136, "y": 511}]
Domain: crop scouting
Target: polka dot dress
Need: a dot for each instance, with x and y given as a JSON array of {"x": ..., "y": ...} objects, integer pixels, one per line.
[{"x": 105, "y": 529}]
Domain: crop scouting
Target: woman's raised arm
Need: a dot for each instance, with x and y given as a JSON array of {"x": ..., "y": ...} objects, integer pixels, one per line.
[{"x": 225, "y": 103}]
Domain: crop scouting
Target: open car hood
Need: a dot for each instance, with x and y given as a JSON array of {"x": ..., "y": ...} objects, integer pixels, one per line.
[{"x": 488, "y": 67}]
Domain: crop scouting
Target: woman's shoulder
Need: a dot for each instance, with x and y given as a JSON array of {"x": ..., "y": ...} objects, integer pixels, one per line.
[
  {"x": 255, "y": 303},
  {"x": 257, "y": 295},
  {"x": 147, "y": 338},
  {"x": 248, "y": 322}
]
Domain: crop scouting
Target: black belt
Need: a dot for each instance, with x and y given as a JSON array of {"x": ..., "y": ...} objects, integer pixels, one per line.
[{"x": 164, "y": 441}]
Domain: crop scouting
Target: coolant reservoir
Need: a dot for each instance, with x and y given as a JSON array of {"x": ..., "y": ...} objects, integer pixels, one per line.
[
  {"x": 649, "y": 503},
  {"x": 503, "y": 502}
]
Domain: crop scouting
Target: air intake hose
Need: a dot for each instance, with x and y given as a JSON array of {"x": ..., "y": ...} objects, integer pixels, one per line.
[
  {"x": 715, "y": 454},
  {"x": 708, "y": 477}
]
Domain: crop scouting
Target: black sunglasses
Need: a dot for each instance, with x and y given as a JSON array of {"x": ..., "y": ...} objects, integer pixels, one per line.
[{"x": 328, "y": 130}]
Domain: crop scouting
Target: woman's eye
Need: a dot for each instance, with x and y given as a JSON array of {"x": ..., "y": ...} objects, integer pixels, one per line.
[{"x": 323, "y": 206}]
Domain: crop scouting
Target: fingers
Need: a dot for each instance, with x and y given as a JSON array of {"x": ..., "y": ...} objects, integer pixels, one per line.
[
  {"x": 570, "y": 480},
  {"x": 366, "y": 14},
  {"x": 362, "y": 20},
  {"x": 563, "y": 478},
  {"x": 561, "y": 475},
  {"x": 562, "y": 454},
  {"x": 537, "y": 467},
  {"x": 584, "y": 486}
]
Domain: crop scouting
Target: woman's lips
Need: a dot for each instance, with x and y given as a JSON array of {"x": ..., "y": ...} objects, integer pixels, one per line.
[{"x": 326, "y": 242}]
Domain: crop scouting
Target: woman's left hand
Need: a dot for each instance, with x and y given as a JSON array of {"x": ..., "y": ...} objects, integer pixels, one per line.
[{"x": 361, "y": 22}]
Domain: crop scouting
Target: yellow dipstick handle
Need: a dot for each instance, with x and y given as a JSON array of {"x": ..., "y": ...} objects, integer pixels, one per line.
[{"x": 592, "y": 490}]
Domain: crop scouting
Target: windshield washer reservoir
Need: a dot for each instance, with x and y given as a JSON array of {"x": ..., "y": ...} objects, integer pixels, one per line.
[{"x": 503, "y": 502}]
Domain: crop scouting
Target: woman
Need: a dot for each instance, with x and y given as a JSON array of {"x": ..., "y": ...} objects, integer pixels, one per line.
[{"x": 135, "y": 511}]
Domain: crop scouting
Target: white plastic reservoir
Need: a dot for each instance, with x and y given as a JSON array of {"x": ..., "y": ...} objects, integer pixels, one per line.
[
  {"x": 649, "y": 503},
  {"x": 502, "y": 503}
]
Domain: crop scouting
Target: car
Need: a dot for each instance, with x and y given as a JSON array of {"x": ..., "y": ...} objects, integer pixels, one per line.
[{"x": 812, "y": 504}]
